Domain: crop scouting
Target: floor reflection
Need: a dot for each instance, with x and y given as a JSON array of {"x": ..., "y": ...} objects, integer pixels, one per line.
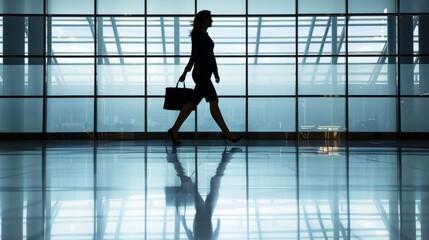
[{"x": 260, "y": 190}]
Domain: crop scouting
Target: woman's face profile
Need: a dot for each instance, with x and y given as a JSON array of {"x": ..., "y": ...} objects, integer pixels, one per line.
[{"x": 208, "y": 21}]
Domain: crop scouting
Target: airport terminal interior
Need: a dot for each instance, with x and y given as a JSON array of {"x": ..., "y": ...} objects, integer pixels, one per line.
[{"x": 331, "y": 98}]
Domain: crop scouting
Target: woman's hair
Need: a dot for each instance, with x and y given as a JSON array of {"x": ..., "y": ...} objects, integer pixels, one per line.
[{"x": 199, "y": 20}]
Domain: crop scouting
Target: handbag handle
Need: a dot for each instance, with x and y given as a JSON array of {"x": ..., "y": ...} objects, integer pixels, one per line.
[{"x": 177, "y": 84}]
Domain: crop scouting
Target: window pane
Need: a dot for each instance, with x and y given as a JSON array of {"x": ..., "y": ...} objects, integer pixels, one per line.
[
  {"x": 321, "y": 114},
  {"x": 70, "y": 76},
  {"x": 120, "y": 115},
  {"x": 271, "y": 7},
  {"x": 21, "y": 115},
  {"x": 320, "y": 76},
  {"x": 21, "y": 35},
  {"x": 370, "y": 6},
  {"x": 272, "y": 114},
  {"x": 120, "y": 36},
  {"x": 414, "y": 6},
  {"x": 409, "y": 30},
  {"x": 71, "y": 36},
  {"x": 317, "y": 6},
  {"x": 70, "y": 7},
  {"x": 232, "y": 73},
  {"x": 160, "y": 120},
  {"x": 233, "y": 111},
  {"x": 21, "y": 6},
  {"x": 414, "y": 112},
  {"x": 369, "y": 35},
  {"x": 165, "y": 72},
  {"x": 271, "y": 36},
  {"x": 21, "y": 76},
  {"x": 229, "y": 35},
  {"x": 126, "y": 7},
  {"x": 414, "y": 76},
  {"x": 70, "y": 115},
  {"x": 372, "y": 75},
  {"x": 120, "y": 76},
  {"x": 223, "y": 6},
  {"x": 320, "y": 35},
  {"x": 170, "y": 6},
  {"x": 372, "y": 114},
  {"x": 271, "y": 76},
  {"x": 169, "y": 35}
]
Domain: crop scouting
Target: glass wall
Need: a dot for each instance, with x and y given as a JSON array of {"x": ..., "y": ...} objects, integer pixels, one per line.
[{"x": 285, "y": 66}]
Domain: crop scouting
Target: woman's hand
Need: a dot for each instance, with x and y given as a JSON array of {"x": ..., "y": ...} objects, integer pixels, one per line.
[
  {"x": 183, "y": 76},
  {"x": 216, "y": 75}
]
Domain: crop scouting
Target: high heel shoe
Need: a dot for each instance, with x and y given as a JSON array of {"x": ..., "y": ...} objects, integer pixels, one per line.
[
  {"x": 173, "y": 139},
  {"x": 234, "y": 140}
]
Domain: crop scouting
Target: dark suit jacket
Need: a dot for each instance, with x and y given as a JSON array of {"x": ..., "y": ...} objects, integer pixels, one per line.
[{"x": 202, "y": 55}]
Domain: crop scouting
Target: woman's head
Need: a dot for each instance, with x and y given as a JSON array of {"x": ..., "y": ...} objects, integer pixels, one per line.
[{"x": 202, "y": 20}]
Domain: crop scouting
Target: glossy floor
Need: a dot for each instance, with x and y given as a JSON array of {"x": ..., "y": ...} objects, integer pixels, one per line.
[{"x": 252, "y": 190}]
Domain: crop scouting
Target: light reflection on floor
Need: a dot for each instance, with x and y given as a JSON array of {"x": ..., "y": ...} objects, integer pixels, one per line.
[{"x": 253, "y": 190}]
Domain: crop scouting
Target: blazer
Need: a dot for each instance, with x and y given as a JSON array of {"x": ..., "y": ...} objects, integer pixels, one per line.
[{"x": 202, "y": 55}]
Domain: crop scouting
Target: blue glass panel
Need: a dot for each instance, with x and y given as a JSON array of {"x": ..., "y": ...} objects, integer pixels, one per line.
[
  {"x": 168, "y": 35},
  {"x": 414, "y": 112},
  {"x": 21, "y": 6},
  {"x": 321, "y": 76},
  {"x": 70, "y": 115},
  {"x": 70, "y": 7},
  {"x": 223, "y": 6},
  {"x": 21, "y": 76},
  {"x": 317, "y": 6},
  {"x": 125, "y": 7},
  {"x": 120, "y": 76},
  {"x": 272, "y": 76},
  {"x": 372, "y": 115},
  {"x": 321, "y": 35},
  {"x": 271, "y": 36},
  {"x": 70, "y": 76},
  {"x": 370, "y": 76},
  {"x": 71, "y": 36},
  {"x": 370, "y": 6},
  {"x": 271, "y": 7},
  {"x": 414, "y": 77},
  {"x": 120, "y": 114},
  {"x": 21, "y": 115},
  {"x": 369, "y": 35},
  {"x": 414, "y": 6},
  {"x": 272, "y": 114},
  {"x": 121, "y": 36},
  {"x": 170, "y": 6},
  {"x": 321, "y": 114}
]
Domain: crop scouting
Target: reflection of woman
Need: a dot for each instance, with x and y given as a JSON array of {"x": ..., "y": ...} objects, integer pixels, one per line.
[
  {"x": 204, "y": 209},
  {"x": 204, "y": 63}
]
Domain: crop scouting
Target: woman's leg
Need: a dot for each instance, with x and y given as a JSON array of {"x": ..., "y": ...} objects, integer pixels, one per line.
[
  {"x": 183, "y": 115},
  {"x": 217, "y": 116}
]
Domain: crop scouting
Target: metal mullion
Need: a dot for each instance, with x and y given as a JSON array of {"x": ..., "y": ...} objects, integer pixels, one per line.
[
  {"x": 296, "y": 82},
  {"x": 145, "y": 81},
  {"x": 346, "y": 120}
]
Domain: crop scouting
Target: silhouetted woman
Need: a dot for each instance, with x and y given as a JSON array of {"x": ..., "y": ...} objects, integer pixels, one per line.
[{"x": 204, "y": 63}]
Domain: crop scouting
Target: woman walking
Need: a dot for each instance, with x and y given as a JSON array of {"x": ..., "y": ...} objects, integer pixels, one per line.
[{"x": 204, "y": 65}]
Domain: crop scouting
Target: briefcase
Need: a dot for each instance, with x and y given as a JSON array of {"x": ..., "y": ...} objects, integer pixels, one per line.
[{"x": 177, "y": 97}]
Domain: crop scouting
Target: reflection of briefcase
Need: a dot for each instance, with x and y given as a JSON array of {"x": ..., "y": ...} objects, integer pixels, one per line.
[
  {"x": 177, "y": 196},
  {"x": 176, "y": 98}
]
